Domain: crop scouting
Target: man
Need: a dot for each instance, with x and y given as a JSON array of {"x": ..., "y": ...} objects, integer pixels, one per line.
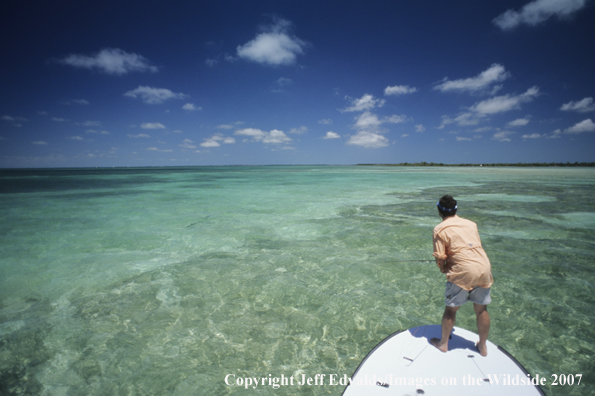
[{"x": 459, "y": 255}]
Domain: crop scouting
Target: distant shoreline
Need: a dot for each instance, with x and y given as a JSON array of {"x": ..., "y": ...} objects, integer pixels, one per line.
[
  {"x": 520, "y": 164},
  {"x": 403, "y": 164}
]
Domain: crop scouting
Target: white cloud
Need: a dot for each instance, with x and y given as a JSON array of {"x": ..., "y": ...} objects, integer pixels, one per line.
[
  {"x": 40, "y": 143},
  {"x": 463, "y": 119},
  {"x": 367, "y": 120},
  {"x": 12, "y": 119},
  {"x": 255, "y": 134},
  {"x": 276, "y": 137},
  {"x": 159, "y": 150},
  {"x": 79, "y": 138},
  {"x": 519, "y": 122},
  {"x": 399, "y": 90},
  {"x": 419, "y": 128},
  {"x": 395, "y": 119},
  {"x": 502, "y": 136},
  {"x": 326, "y": 121},
  {"x": 91, "y": 123},
  {"x": 582, "y": 106},
  {"x": 369, "y": 124},
  {"x": 152, "y": 125},
  {"x": 214, "y": 140},
  {"x": 140, "y": 135},
  {"x": 57, "y": 119},
  {"x": 187, "y": 144},
  {"x": 274, "y": 46},
  {"x": 555, "y": 134},
  {"x": 283, "y": 82},
  {"x": 191, "y": 107},
  {"x": 81, "y": 101},
  {"x": 298, "y": 131},
  {"x": 366, "y": 102},
  {"x": 332, "y": 135},
  {"x": 154, "y": 95},
  {"x": 210, "y": 143},
  {"x": 463, "y": 139},
  {"x": 111, "y": 61},
  {"x": 229, "y": 126},
  {"x": 538, "y": 11},
  {"x": 483, "y": 129},
  {"x": 496, "y": 73},
  {"x": 273, "y": 137},
  {"x": 504, "y": 103},
  {"x": 211, "y": 62},
  {"x": 533, "y": 136},
  {"x": 93, "y": 131},
  {"x": 368, "y": 140},
  {"x": 497, "y": 104},
  {"x": 584, "y": 126}
]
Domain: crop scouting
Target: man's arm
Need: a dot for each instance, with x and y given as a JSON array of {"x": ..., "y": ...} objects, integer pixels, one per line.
[{"x": 439, "y": 252}]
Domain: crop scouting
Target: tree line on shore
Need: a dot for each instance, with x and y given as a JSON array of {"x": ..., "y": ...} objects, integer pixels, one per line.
[{"x": 518, "y": 164}]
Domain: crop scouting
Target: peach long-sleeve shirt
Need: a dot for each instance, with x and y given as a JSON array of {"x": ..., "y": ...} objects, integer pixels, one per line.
[{"x": 457, "y": 241}]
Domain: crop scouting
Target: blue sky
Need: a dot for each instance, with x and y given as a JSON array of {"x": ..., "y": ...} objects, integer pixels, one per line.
[{"x": 173, "y": 83}]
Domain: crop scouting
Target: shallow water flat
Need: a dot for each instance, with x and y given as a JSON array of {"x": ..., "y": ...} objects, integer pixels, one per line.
[{"x": 167, "y": 280}]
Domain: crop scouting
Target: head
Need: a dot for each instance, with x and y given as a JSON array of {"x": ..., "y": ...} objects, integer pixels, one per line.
[{"x": 447, "y": 206}]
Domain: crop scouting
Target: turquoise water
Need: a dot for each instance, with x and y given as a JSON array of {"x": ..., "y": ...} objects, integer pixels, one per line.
[{"x": 163, "y": 281}]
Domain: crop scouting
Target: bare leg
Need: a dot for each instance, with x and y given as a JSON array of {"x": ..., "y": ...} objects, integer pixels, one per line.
[
  {"x": 483, "y": 327},
  {"x": 448, "y": 322}
]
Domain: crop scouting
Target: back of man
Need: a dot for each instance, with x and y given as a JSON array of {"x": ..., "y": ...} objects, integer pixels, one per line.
[{"x": 457, "y": 241}]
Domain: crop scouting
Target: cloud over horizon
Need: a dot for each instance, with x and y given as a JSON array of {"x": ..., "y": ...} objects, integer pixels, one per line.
[
  {"x": 368, "y": 139},
  {"x": 214, "y": 141},
  {"x": 399, "y": 90},
  {"x": 152, "y": 125},
  {"x": 110, "y": 61},
  {"x": 366, "y": 102},
  {"x": 497, "y": 104},
  {"x": 538, "y": 11},
  {"x": 152, "y": 95},
  {"x": 273, "y": 47},
  {"x": 582, "y": 106},
  {"x": 495, "y": 73},
  {"x": 273, "y": 137},
  {"x": 503, "y": 103},
  {"x": 584, "y": 126}
]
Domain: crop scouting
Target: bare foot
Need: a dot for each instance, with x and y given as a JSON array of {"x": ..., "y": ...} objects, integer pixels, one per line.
[
  {"x": 483, "y": 349},
  {"x": 437, "y": 342}
]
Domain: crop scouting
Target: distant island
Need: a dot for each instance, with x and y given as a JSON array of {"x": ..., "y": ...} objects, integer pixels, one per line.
[{"x": 520, "y": 164}]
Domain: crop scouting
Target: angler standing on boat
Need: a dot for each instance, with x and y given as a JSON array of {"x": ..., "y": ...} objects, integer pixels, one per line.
[{"x": 459, "y": 255}]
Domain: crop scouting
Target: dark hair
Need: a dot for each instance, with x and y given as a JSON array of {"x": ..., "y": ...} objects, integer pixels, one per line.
[{"x": 447, "y": 206}]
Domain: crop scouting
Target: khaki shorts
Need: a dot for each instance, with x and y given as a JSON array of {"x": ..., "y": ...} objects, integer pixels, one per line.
[{"x": 455, "y": 296}]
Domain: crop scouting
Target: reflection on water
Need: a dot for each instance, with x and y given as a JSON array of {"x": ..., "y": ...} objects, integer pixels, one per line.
[{"x": 163, "y": 282}]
